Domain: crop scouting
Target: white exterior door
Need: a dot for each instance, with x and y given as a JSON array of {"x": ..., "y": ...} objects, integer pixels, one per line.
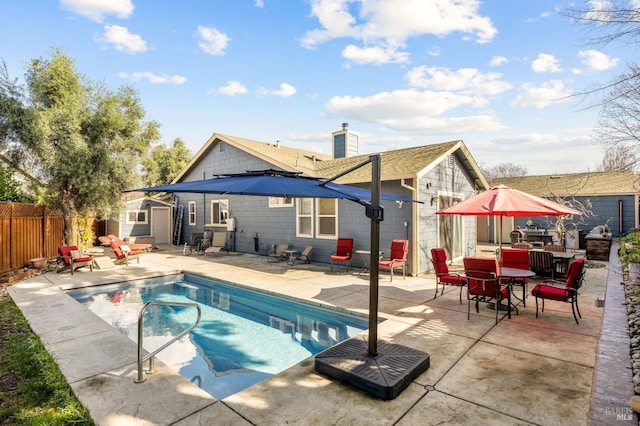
[{"x": 161, "y": 224}]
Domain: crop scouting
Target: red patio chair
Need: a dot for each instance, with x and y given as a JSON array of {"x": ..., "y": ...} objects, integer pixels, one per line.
[
  {"x": 519, "y": 259},
  {"x": 443, "y": 276},
  {"x": 397, "y": 258},
  {"x": 123, "y": 253},
  {"x": 70, "y": 258},
  {"x": 483, "y": 284},
  {"x": 568, "y": 294},
  {"x": 343, "y": 253}
]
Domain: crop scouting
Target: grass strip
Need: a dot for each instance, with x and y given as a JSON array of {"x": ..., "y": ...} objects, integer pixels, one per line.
[{"x": 33, "y": 391}]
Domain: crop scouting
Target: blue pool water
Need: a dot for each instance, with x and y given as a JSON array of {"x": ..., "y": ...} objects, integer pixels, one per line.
[{"x": 243, "y": 337}]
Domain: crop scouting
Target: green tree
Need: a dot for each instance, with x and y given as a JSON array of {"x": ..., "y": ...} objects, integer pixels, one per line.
[
  {"x": 83, "y": 141},
  {"x": 164, "y": 164},
  {"x": 11, "y": 189}
]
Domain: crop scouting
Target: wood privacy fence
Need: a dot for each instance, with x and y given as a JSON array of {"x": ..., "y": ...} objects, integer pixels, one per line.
[{"x": 28, "y": 231}]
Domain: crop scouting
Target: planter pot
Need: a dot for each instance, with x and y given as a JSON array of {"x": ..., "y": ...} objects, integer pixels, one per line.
[{"x": 39, "y": 263}]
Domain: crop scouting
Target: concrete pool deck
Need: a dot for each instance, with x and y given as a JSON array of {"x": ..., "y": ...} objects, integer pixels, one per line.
[{"x": 544, "y": 371}]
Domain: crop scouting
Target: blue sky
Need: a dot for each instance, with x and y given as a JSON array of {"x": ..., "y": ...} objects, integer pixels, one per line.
[{"x": 402, "y": 73}]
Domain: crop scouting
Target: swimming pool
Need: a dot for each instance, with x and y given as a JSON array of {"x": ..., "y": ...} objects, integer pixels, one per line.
[{"x": 243, "y": 337}]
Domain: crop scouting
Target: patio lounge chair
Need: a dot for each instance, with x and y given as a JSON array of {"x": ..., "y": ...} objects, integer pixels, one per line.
[
  {"x": 443, "y": 275},
  {"x": 218, "y": 243},
  {"x": 397, "y": 258},
  {"x": 304, "y": 256},
  {"x": 279, "y": 253},
  {"x": 123, "y": 253},
  {"x": 343, "y": 253},
  {"x": 70, "y": 258},
  {"x": 568, "y": 294}
]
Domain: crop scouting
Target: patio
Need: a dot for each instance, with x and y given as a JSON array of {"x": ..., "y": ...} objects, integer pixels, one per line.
[{"x": 525, "y": 370}]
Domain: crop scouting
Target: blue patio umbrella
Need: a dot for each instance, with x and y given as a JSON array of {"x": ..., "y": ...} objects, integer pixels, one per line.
[
  {"x": 273, "y": 183},
  {"x": 385, "y": 372}
]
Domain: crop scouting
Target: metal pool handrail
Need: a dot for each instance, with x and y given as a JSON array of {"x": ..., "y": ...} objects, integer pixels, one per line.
[{"x": 141, "y": 377}]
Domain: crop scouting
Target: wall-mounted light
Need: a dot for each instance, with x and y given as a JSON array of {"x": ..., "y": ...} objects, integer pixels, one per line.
[{"x": 400, "y": 204}]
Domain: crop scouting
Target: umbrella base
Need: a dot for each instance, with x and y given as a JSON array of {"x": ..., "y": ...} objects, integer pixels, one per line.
[{"x": 384, "y": 375}]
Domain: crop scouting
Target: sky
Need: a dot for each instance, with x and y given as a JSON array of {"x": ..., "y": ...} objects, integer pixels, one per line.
[{"x": 502, "y": 76}]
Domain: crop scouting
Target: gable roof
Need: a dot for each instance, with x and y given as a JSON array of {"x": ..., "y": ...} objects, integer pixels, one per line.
[
  {"x": 285, "y": 158},
  {"x": 575, "y": 184}
]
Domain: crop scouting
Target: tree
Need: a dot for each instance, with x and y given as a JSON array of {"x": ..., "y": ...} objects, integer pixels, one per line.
[
  {"x": 619, "y": 157},
  {"x": 619, "y": 99},
  {"x": 11, "y": 189},
  {"x": 164, "y": 164},
  {"x": 82, "y": 140},
  {"x": 503, "y": 170}
]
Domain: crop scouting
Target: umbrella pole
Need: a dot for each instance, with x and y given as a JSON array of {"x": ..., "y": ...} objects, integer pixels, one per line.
[{"x": 374, "y": 251}]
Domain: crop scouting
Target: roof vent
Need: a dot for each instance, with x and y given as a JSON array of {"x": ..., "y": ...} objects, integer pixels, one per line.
[
  {"x": 345, "y": 126},
  {"x": 277, "y": 144}
]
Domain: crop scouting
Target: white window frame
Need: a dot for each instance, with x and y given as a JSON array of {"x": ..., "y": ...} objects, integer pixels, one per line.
[
  {"x": 299, "y": 202},
  {"x": 136, "y": 221},
  {"x": 192, "y": 213},
  {"x": 218, "y": 221},
  {"x": 277, "y": 202},
  {"x": 319, "y": 216}
]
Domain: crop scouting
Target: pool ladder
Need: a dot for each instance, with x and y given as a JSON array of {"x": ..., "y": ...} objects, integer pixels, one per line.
[{"x": 141, "y": 377}]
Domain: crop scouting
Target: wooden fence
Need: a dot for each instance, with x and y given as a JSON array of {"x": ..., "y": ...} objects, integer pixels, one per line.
[{"x": 28, "y": 231}]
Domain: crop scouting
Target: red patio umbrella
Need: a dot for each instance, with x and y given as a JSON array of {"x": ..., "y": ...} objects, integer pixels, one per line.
[{"x": 500, "y": 200}]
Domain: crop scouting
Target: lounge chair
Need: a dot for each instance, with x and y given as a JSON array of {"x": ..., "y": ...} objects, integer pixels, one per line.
[
  {"x": 280, "y": 253},
  {"x": 106, "y": 241},
  {"x": 70, "y": 258},
  {"x": 123, "y": 253},
  {"x": 304, "y": 256},
  {"x": 218, "y": 243}
]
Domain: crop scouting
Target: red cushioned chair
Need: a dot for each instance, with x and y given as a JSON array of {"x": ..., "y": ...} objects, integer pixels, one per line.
[
  {"x": 483, "y": 283},
  {"x": 568, "y": 293},
  {"x": 443, "y": 276},
  {"x": 123, "y": 253},
  {"x": 397, "y": 258},
  {"x": 70, "y": 258},
  {"x": 518, "y": 259},
  {"x": 343, "y": 253}
]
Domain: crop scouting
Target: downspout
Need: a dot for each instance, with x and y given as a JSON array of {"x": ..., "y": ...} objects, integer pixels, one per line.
[{"x": 414, "y": 227}]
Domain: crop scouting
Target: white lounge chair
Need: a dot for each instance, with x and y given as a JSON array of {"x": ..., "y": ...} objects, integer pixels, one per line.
[{"x": 218, "y": 243}]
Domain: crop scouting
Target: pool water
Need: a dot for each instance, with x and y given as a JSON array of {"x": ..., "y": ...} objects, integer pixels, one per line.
[{"x": 243, "y": 337}]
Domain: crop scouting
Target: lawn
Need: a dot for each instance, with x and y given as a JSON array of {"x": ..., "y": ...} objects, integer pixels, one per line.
[{"x": 33, "y": 391}]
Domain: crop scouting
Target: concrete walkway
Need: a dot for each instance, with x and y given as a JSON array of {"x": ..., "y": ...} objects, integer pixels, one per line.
[{"x": 526, "y": 370}]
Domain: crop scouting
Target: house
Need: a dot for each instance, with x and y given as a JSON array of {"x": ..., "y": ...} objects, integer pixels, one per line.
[
  {"x": 438, "y": 175},
  {"x": 606, "y": 197},
  {"x": 144, "y": 220}
]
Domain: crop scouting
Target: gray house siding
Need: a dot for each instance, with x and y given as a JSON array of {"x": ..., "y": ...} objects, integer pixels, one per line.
[
  {"x": 137, "y": 229},
  {"x": 602, "y": 208},
  {"x": 443, "y": 179}
]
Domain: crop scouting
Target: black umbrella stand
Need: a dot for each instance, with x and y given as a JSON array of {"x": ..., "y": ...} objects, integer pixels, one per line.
[{"x": 380, "y": 368}]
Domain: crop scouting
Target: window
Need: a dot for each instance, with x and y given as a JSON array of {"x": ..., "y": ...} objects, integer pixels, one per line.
[
  {"x": 219, "y": 212},
  {"x": 192, "y": 213},
  {"x": 327, "y": 217},
  {"x": 304, "y": 218},
  {"x": 280, "y": 202},
  {"x": 136, "y": 216}
]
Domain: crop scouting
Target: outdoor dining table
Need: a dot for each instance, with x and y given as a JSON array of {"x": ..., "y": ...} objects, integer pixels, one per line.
[
  {"x": 364, "y": 255},
  {"x": 511, "y": 274}
]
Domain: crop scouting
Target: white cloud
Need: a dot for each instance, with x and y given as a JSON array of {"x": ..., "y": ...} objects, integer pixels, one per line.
[
  {"x": 434, "y": 51},
  {"x": 122, "y": 40},
  {"x": 546, "y": 94},
  {"x": 259, "y": 3},
  {"x": 284, "y": 91},
  {"x": 496, "y": 61},
  {"x": 545, "y": 63},
  {"x": 596, "y": 60},
  {"x": 465, "y": 80},
  {"x": 377, "y": 55},
  {"x": 389, "y": 23},
  {"x": 600, "y": 11},
  {"x": 414, "y": 110},
  {"x": 96, "y": 10},
  {"x": 233, "y": 88},
  {"x": 154, "y": 78},
  {"x": 212, "y": 41}
]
